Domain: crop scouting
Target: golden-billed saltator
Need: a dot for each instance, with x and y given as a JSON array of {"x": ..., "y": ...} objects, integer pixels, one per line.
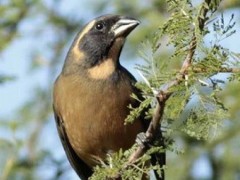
[{"x": 92, "y": 94}]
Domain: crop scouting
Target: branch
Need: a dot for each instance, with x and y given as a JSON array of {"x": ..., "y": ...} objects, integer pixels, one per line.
[
  {"x": 164, "y": 94},
  {"x": 153, "y": 128},
  {"x": 221, "y": 70}
]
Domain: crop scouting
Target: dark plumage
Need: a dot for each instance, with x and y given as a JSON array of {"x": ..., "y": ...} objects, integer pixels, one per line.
[{"x": 92, "y": 93}]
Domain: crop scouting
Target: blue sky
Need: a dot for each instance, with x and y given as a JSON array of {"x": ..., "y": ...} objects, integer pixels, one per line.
[{"x": 15, "y": 61}]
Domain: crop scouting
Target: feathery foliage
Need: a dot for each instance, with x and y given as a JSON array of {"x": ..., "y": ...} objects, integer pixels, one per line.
[{"x": 200, "y": 118}]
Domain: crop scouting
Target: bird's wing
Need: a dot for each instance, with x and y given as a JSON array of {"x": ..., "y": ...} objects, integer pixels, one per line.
[
  {"x": 79, "y": 166},
  {"x": 159, "y": 157}
]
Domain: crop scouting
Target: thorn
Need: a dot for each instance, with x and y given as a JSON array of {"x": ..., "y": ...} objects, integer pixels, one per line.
[
  {"x": 186, "y": 80},
  {"x": 155, "y": 92},
  {"x": 203, "y": 83}
]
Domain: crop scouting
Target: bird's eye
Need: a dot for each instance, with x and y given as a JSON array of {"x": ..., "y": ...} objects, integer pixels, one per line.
[{"x": 99, "y": 26}]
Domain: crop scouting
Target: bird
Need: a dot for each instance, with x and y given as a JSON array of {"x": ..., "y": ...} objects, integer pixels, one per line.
[{"x": 92, "y": 94}]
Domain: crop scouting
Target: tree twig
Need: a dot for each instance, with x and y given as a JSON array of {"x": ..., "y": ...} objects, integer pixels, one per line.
[
  {"x": 221, "y": 70},
  {"x": 164, "y": 94}
]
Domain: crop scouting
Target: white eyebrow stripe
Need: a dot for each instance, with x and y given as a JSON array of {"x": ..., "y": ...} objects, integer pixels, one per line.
[
  {"x": 85, "y": 30},
  {"x": 77, "y": 53}
]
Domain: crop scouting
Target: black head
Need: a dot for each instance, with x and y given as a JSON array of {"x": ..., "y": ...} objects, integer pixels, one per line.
[{"x": 99, "y": 40}]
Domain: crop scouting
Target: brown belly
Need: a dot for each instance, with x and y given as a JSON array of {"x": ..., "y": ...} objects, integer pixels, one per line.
[
  {"x": 94, "y": 121},
  {"x": 97, "y": 133}
]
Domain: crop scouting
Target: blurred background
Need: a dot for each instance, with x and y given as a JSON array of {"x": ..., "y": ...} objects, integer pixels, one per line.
[{"x": 35, "y": 36}]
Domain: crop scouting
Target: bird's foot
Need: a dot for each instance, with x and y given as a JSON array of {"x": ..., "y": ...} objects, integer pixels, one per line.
[{"x": 142, "y": 140}]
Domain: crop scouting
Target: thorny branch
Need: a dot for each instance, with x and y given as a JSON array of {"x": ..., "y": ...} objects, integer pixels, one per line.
[
  {"x": 164, "y": 94},
  {"x": 221, "y": 70}
]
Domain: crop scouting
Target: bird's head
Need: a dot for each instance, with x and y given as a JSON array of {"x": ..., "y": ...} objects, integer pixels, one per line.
[{"x": 98, "y": 45}]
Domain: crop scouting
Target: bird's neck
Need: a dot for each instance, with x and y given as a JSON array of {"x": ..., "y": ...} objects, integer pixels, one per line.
[{"x": 103, "y": 70}]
